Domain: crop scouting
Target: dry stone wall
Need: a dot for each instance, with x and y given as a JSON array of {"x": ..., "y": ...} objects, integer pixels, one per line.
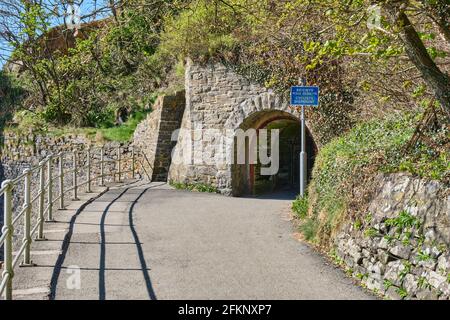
[{"x": 401, "y": 248}]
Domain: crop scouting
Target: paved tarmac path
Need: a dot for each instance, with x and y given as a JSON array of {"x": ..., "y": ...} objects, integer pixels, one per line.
[{"x": 150, "y": 241}]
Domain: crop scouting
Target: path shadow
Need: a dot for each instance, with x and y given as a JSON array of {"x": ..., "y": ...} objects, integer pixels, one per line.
[
  {"x": 290, "y": 194},
  {"x": 102, "y": 260},
  {"x": 65, "y": 246},
  {"x": 148, "y": 282}
]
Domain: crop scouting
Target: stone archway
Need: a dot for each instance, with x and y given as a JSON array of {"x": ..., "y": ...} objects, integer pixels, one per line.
[
  {"x": 247, "y": 178},
  {"x": 220, "y": 102}
]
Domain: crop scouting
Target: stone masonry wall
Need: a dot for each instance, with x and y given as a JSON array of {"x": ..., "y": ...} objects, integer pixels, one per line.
[
  {"x": 216, "y": 99},
  {"x": 154, "y": 134},
  {"x": 21, "y": 151},
  {"x": 402, "y": 247}
]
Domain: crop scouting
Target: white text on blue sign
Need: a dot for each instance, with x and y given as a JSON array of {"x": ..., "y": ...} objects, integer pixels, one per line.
[{"x": 305, "y": 96}]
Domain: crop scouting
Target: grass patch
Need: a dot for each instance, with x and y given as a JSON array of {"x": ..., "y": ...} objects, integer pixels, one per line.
[
  {"x": 121, "y": 133},
  {"x": 309, "y": 229},
  {"x": 199, "y": 187},
  {"x": 300, "y": 207},
  {"x": 125, "y": 131}
]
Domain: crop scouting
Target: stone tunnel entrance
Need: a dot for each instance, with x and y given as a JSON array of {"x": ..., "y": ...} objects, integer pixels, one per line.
[
  {"x": 220, "y": 105},
  {"x": 249, "y": 178}
]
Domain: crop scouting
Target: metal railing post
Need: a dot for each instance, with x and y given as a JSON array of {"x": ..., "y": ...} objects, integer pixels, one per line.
[
  {"x": 88, "y": 161},
  {"x": 102, "y": 167},
  {"x": 27, "y": 217},
  {"x": 50, "y": 188},
  {"x": 133, "y": 168},
  {"x": 61, "y": 181},
  {"x": 7, "y": 246},
  {"x": 75, "y": 169},
  {"x": 40, "y": 235},
  {"x": 118, "y": 164}
]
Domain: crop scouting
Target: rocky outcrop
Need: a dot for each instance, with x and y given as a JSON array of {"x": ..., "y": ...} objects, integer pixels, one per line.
[{"x": 401, "y": 248}]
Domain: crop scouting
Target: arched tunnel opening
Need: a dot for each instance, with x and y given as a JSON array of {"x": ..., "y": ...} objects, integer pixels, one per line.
[{"x": 250, "y": 178}]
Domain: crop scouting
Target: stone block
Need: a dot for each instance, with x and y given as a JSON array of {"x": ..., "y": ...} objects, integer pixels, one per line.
[
  {"x": 410, "y": 284},
  {"x": 435, "y": 279},
  {"x": 443, "y": 264},
  {"x": 393, "y": 271},
  {"x": 426, "y": 294},
  {"x": 392, "y": 293},
  {"x": 401, "y": 251}
]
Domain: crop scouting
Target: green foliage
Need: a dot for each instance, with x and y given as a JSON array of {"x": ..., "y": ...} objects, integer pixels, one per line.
[
  {"x": 27, "y": 120},
  {"x": 422, "y": 282},
  {"x": 357, "y": 224},
  {"x": 201, "y": 31},
  {"x": 309, "y": 229},
  {"x": 368, "y": 218},
  {"x": 343, "y": 163},
  {"x": 423, "y": 256},
  {"x": 402, "y": 292},
  {"x": 267, "y": 41},
  {"x": 180, "y": 69},
  {"x": 430, "y": 160},
  {"x": 336, "y": 259},
  {"x": 96, "y": 83},
  {"x": 120, "y": 133},
  {"x": 300, "y": 206},
  {"x": 11, "y": 94},
  {"x": 387, "y": 284},
  {"x": 200, "y": 187},
  {"x": 129, "y": 42},
  {"x": 371, "y": 232},
  {"x": 125, "y": 131},
  {"x": 111, "y": 69},
  {"x": 404, "y": 221},
  {"x": 342, "y": 158},
  {"x": 406, "y": 227},
  {"x": 361, "y": 276},
  {"x": 406, "y": 269}
]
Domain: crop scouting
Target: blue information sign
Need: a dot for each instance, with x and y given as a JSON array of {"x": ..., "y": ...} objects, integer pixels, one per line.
[{"x": 305, "y": 96}]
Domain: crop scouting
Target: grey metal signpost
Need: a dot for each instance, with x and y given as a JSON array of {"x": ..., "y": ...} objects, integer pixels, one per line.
[
  {"x": 303, "y": 159},
  {"x": 302, "y": 96}
]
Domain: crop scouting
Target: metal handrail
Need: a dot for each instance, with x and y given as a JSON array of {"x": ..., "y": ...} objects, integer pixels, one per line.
[
  {"x": 44, "y": 201},
  {"x": 144, "y": 155},
  {"x": 2, "y": 238}
]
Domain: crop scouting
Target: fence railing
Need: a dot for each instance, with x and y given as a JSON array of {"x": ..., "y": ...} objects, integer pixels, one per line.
[{"x": 43, "y": 202}]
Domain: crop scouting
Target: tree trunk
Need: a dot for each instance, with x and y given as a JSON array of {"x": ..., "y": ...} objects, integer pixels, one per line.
[{"x": 438, "y": 81}]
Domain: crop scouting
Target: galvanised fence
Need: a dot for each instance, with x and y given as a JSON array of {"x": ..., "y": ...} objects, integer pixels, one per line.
[{"x": 46, "y": 187}]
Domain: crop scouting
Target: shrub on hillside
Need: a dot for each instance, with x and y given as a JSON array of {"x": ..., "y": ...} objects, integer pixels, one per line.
[{"x": 347, "y": 162}]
